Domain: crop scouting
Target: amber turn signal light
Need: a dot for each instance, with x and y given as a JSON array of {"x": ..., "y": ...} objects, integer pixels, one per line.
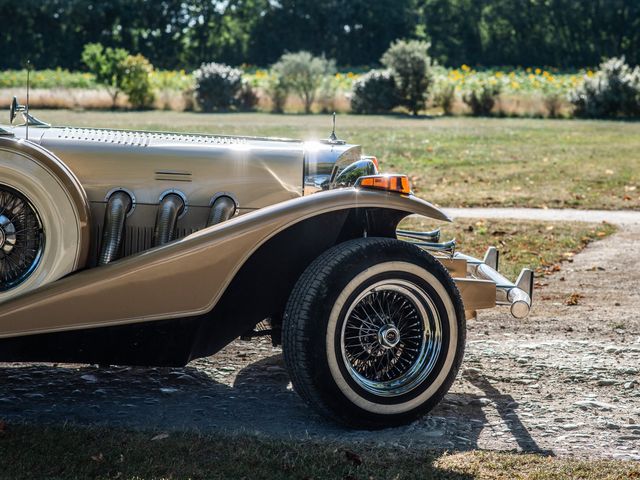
[{"x": 390, "y": 183}]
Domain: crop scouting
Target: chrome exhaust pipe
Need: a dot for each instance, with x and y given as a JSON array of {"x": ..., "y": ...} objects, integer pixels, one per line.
[
  {"x": 433, "y": 236},
  {"x": 429, "y": 241},
  {"x": 223, "y": 208},
  {"x": 448, "y": 248},
  {"x": 171, "y": 206},
  {"x": 119, "y": 204}
]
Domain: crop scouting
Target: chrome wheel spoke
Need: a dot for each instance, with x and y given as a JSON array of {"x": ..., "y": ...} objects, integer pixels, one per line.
[
  {"x": 21, "y": 238},
  {"x": 391, "y": 338}
]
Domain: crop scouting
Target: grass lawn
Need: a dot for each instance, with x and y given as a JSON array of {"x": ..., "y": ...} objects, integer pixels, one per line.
[
  {"x": 541, "y": 246},
  {"x": 453, "y": 162},
  {"x": 28, "y": 452}
]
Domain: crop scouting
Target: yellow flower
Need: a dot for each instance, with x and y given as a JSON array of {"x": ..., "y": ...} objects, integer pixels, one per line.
[
  {"x": 538, "y": 71},
  {"x": 465, "y": 68},
  {"x": 589, "y": 73},
  {"x": 528, "y": 70},
  {"x": 499, "y": 74},
  {"x": 515, "y": 85}
]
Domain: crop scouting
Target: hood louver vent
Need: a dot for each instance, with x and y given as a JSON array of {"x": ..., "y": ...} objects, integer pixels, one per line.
[{"x": 144, "y": 139}]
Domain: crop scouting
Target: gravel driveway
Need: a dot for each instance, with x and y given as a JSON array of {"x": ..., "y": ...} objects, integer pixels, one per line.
[{"x": 564, "y": 381}]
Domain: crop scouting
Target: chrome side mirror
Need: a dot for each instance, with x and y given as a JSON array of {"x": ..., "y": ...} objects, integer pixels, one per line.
[
  {"x": 28, "y": 118},
  {"x": 13, "y": 110}
]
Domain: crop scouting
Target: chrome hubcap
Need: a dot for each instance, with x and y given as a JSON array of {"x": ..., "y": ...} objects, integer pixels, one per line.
[
  {"x": 21, "y": 238},
  {"x": 391, "y": 338}
]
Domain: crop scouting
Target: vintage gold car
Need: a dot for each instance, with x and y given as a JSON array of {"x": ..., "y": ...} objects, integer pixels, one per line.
[{"x": 149, "y": 248}]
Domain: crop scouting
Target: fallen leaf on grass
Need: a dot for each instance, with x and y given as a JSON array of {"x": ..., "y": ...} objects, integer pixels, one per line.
[
  {"x": 160, "y": 436},
  {"x": 353, "y": 457},
  {"x": 573, "y": 299},
  {"x": 98, "y": 458}
]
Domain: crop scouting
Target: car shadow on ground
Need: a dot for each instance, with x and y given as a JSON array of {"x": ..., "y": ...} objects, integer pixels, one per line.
[{"x": 258, "y": 400}]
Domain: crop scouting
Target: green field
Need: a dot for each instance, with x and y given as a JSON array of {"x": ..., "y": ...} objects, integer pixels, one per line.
[
  {"x": 452, "y": 161},
  {"x": 541, "y": 246},
  {"x": 529, "y": 80},
  {"x": 76, "y": 453}
]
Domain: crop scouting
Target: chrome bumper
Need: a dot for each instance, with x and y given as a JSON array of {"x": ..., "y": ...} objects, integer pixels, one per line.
[{"x": 477, "y": 273}]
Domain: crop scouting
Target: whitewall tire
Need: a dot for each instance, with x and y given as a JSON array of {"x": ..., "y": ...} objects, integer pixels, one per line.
[
  {"x": 44, "y": 224},
  {"x": 374, "y": 333}
]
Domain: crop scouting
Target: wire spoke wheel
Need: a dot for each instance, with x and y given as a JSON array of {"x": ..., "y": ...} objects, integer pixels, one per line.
[
  {"x": 21, "y": 238},
  {"x": 373, "y": 333},
  {"x": 391, "y": 338}
]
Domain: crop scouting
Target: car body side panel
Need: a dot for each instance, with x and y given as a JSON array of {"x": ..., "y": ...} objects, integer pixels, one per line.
[{"x": 184, "y": 278}]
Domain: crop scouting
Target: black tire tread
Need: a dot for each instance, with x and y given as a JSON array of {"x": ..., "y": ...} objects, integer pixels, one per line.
[{"x": 299, "y": 313}]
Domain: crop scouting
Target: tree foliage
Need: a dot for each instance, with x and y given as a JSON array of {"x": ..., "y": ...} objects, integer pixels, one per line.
[
  {"x": 185, "y": 33},
  {"x": 374, "y": 92},
  {"x": 107, "y": 64},
  {"x": 217, "y": 86},
  {"x": 481, "y": 97},
  {"x": 411, "y": 66},
  {"x": 136, "y": 81},
  {"x": 120, "y": 72},
  {"x": 614, "y": 91},
  {"x": 302, "y": 73}
]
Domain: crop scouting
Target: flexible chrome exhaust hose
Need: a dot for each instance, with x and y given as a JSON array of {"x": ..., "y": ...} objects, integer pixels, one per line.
[
  {"x": 170, "y": 208},
  {"x": 223, "y": 209},
  {"x": 118, "y": 206}
]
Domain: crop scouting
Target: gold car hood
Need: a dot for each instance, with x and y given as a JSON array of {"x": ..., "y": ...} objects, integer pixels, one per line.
[{"x": 258, "y": 171}]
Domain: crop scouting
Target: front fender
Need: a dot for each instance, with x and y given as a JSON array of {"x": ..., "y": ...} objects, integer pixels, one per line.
[{"x": 186, "y": 277}]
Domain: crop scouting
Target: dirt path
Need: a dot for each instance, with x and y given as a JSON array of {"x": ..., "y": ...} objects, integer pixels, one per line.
[
  {"x": 565, "y": 380},
  {"x": 620, "y": 217}
]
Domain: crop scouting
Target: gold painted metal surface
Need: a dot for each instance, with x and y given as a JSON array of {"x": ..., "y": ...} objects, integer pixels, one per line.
[
  {"x": 457, "y": 267},
  {"x": 476, "y": 294},
  {"x": 183, "y": 278},
  {"x": 259, "y": 172},
  {"x": 69, "y": 180},
  {"x": 254, "y": 171}
]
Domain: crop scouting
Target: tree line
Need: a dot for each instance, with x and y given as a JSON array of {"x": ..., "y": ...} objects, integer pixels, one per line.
[{"x": 177, "y": 34}]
